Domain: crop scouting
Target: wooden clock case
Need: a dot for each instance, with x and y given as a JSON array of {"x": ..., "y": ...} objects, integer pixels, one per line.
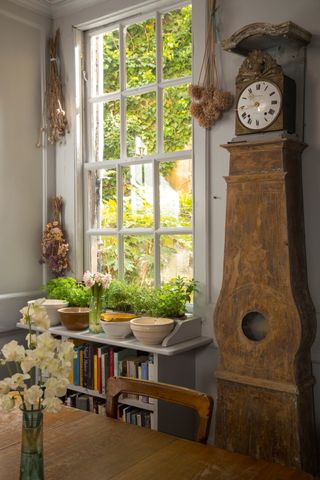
[{"x": 264, "y": 319}]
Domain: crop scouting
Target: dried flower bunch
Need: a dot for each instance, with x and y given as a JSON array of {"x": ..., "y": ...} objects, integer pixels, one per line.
[
  {"x": 208, "y": 101},
  {"x": 208, "y": 104},
  {"x": 52, "y": 357},
  {"x": 54, "y": 110},
  {"x": 55, "y": 249}
]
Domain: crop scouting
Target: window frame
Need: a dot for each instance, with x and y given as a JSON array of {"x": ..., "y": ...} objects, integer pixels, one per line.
[{"x": 124, "y": 160}]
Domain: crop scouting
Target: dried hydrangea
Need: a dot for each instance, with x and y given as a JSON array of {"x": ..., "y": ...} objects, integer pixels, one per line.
[{"x": 55, "y": 249}]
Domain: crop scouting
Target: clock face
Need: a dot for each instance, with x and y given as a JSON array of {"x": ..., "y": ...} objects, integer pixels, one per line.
[{"x": 259, "y": 105}]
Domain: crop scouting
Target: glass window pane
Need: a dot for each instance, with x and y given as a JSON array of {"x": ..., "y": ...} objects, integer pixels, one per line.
[
  {"x": 141, "y": 53},
  {"x": 137, "y": 181},
  {"x": 176, "y": 256},
  {"x": 105, "y": 63},
  {"x": 103, "y": 198},
  {"x": 139, "y": 259},
  {"x": 177, "y": 43},
  {"x": 176, "y": 193},
  {"x": 104, "y": 254},
  {"x": 141, "y": 125},
  {"x": 111, "y": 145},
  {"x": 106, "y": 131},
  {"x": 177, "y": 119},
  {"x": 111, "y": 62}
]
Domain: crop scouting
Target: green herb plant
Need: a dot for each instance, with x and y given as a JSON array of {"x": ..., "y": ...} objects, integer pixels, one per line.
[
  {"x": 170, "y": 300},
  {"x": 67, "y": 288}
]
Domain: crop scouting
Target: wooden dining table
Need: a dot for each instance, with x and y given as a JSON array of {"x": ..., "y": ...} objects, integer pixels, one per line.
[{"x": 84, "y": 446}]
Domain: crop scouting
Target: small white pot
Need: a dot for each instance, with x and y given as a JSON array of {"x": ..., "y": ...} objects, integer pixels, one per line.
[
  {"x": 52, "y": 306},
  {"x": 151, "y": 330}
]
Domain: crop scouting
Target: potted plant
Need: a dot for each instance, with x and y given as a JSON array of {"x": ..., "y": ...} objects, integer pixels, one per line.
[
  {"x": 67, "y": 288},
  {"x": 76, "y": 315},
  {"x": 168, "y": 301}
]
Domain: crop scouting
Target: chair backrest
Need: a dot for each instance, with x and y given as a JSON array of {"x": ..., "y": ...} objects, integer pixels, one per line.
[{"x": 200, "y": 402}]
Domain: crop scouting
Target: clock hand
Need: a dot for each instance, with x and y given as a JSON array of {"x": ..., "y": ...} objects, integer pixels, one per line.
[{"x": 246, "y": 107}]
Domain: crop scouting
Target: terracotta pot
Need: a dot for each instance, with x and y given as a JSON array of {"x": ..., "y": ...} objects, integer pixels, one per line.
[{"x": 74, "y": 318}]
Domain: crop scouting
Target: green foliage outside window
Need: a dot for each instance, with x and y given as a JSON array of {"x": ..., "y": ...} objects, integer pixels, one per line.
[{"x": 140, "y": 49}]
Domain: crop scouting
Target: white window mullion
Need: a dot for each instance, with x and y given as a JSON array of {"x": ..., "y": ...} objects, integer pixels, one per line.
[
  {"x": 120, "y": 222},
  {"x": 123, "y": 134},
  {"x": 159, "y": 79},
  {"x": 156, "y": 203}
]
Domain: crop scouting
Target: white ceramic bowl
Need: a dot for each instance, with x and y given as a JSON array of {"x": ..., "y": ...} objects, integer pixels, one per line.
[
  {"x": 151, "y": 330},
  {"x": 52, "y": 306},
  {"x": 116, "y": 325}
]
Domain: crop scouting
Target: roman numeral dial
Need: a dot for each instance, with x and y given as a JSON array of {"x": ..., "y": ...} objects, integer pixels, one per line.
[{"x": 259, "y": 105}]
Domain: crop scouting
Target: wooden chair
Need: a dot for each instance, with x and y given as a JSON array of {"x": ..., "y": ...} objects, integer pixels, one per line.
[{"x": 200, "y": 402}]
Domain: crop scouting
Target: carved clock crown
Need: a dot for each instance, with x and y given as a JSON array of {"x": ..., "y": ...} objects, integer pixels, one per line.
[{"x": 258, "y": 65}]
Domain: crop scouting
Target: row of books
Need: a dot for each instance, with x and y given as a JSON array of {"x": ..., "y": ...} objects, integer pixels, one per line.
[
  {"x": 126, "y": 413},
  {"x": 136, "y": 416},
  {"x": 94, "y": 364},
  {"x": 86, "y": 402}
]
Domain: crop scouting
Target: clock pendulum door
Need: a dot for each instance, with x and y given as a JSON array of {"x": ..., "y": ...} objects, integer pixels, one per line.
[{"x": 264, "y": 318}]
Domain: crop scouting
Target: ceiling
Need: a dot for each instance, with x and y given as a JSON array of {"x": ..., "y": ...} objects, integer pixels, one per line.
[{"x": 55, "y": 8}]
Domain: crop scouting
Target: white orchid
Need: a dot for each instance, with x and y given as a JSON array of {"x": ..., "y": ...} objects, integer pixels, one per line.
[
  {"x": 52, "y": 404},
  {"x": 53, "y": 359},
  {"x": 17, "y": 380},
  {"x": 13, "y": 352},
  {"x": 5, "y": 386},
  {"x": 55, "y": 387},
  {"x": 33, "y": 395},
  {"x": 7, "y": 403},
  {"x": 35, "y": 314}
]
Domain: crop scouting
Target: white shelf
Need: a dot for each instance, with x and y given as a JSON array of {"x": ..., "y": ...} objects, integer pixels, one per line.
[
  {"x": 93, "y": 393},
  {"x": 129, "y": 342},
  {"x": 127, "y": 401}
]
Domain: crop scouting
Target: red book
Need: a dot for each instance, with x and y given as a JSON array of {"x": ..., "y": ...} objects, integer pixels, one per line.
[{"x": 111, "y": 362}]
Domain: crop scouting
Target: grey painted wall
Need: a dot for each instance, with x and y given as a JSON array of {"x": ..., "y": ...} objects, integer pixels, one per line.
[{"x": 24, "y": 183}]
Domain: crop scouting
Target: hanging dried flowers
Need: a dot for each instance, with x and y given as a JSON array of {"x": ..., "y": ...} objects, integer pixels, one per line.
[
  {"x": 55, "y": 249},
  {"x": 208, "y": 101},
  {"x": 54, "y": 115}
]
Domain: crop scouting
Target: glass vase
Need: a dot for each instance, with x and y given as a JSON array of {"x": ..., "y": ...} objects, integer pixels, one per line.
[
  {"x": 31, "y": 463},
  {"x": 95, "y": 314}
]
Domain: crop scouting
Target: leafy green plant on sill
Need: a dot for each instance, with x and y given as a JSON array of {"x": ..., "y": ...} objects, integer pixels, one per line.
[
  {"x": 119, "y": 296},
  {"x": 67, "y": 288},
  {"x": 170, "y": 300}
]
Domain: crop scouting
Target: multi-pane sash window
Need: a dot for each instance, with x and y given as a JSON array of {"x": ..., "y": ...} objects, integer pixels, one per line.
[{"x": 138, "y": 175}]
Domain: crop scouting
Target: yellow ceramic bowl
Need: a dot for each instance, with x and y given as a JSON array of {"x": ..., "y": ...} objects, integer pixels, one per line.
[
  {"x": 117, "y": 316},
  {"x": 116, "y": 324}
]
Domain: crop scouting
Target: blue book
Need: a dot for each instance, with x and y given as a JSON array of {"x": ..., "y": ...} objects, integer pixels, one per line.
[
  {"x": 76, "y": 366},
  {"x": 145, "y": 376}
]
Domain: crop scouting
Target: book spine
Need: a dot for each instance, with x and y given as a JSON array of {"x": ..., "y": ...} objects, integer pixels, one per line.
[
  {"x": 85, "y": 365},
  {"x": 81, "y": 366},
  {"x": 116, "y": 363},
  {"x": 103, "y": 373},
  {"x": 95, "y": 371},
  {"x": 145, "y": 376},
  {"x": 111, "y": 362},
  {"x": 90, "y": 366},
  {"x": 76, "y": 365},
  {"x": 99, "y": 370}
]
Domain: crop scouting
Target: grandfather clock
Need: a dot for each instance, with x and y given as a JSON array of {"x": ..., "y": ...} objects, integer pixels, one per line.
[{"x": 264, "y": 319}]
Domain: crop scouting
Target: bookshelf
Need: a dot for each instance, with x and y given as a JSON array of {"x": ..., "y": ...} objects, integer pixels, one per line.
[{"x": 174, "y": 364}]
